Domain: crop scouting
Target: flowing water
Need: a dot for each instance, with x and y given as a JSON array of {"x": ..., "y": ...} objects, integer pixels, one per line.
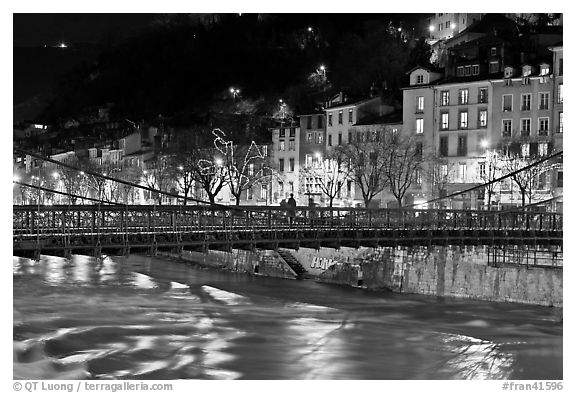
[{"x": 152, "y": 318}]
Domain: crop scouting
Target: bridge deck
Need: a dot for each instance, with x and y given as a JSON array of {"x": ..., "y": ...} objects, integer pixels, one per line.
[{"x": 120, "y": 228}]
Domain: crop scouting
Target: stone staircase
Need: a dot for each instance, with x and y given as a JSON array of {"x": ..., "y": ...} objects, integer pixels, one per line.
[{"x": 293, "y": 263}]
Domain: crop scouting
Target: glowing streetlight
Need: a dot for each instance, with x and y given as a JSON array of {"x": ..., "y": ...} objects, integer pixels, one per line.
[
  {"x": 310, "y": 29},
  {"x": 62, "y": 45},
  {"x": 55, "y": 175},
  {"x": 484, "y": 143},
  {"x": 218, "y": 161},
  {"x": 235, "y": 92},
  {"x": 453, "y": 25},
  {"x": 16, "y": 178},
  {"x": 431, "y": 28},
  {"x": 181, "y": 167}
]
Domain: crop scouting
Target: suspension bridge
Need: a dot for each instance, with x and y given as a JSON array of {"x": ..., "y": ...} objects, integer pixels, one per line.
[{"x": 115, "y": 228}]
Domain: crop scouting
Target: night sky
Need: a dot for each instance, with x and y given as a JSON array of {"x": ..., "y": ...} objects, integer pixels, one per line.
[
  {"x": 36, "y": 68},
  {"x": 49, "y": 29}
]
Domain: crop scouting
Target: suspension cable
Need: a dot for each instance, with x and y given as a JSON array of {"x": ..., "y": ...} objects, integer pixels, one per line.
[
  {"x": 150, "y": 189},
  {"x": 64, "y": 193},
  {"x": 561, "y": 152}
]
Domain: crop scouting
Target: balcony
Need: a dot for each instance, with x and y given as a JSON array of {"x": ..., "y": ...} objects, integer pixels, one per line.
[{"x": 542, "y": 132}]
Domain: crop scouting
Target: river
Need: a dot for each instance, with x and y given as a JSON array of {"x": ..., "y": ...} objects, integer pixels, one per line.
[{"x": 152, "y": 318}]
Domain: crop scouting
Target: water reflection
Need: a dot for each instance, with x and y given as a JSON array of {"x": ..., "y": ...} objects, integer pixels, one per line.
[{"x": 141, "y": 317}]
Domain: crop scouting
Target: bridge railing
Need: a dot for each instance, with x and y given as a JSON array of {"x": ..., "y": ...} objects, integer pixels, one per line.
[{"x": 44, "y": 220}]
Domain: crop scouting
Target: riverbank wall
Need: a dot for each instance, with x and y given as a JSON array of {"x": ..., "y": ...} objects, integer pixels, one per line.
[
  {"x": 451, "y": 271},
  {"x": 471, "y": 272}
]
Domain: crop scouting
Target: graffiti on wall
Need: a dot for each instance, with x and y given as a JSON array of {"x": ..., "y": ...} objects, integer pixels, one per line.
[{"x": 322, "y": 263}]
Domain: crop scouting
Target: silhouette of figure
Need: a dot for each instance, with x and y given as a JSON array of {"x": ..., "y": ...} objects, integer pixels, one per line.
[{"x": 292, "y": 208}]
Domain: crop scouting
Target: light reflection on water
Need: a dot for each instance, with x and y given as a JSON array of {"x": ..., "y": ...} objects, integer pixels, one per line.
[{"x": 147, "y": 318}]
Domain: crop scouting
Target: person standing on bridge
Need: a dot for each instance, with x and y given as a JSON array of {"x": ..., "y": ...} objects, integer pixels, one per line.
[{"x": 291, "y": 208}]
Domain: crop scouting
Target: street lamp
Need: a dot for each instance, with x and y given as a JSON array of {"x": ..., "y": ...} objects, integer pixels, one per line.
[
  {"x": 235, "y": 92},
  {"x": 322, "y": 70}
]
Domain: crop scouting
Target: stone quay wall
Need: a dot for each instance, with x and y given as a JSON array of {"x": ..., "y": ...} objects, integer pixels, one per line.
[{"x": 451, "y": 271}]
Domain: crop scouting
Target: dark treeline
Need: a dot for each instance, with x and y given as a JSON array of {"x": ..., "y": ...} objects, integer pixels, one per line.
[{"x": 184, "y": 64}]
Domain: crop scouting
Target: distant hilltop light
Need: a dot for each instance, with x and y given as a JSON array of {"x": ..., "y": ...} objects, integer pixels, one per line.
[{"x": 62, "y": 45}]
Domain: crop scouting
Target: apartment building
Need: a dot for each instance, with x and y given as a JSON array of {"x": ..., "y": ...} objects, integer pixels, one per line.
[
  {"x": 493, "y": 94},
  {"x": 285, "y": 155}
]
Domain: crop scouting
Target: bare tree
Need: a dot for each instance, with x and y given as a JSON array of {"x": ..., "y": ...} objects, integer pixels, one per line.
[
  {"x": 437, "y": 173},
  {"x": 330, "y": 172},
  {"x": 158, "y": 177},
  {"x": 367, "y": 157},
  {"x": 489, "y": 172},
  {"x": 74, "y": 182},
  {"x": 244, "y": 165},
  {"x": 402, "y": 164},
  {"x": 526, "y": 179}
]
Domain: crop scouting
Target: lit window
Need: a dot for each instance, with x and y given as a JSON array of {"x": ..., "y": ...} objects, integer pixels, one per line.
[
  {"x": 463, "y": 96},
  {"x": 483, "y": 118},
  {"x": 475, "y": 70},
  {"x": 525, "y": 149},
  {"x": 263, "y": 191},
  {"x": 544, "y": 69},
  {"x": 482, "y": 169},
  {"x": 561, "y": 122},
  {"x": 445, "y": 121},
  {"x": 543, "y": 149},
  {"x": 420, "y": 104},
  {"x": 560, "y": 93},
  {"x": 445, "y": 98},
  {"x": 462, "y": 171},
  {"x": 483, "y": 96},
  {"x": 444, "y": 169},
  {"x": 419, "y": 126},
  {"x": 308, "y": 137},
  {"x": 463, "y": 120},
  {"x": 282, "y": 146}
]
